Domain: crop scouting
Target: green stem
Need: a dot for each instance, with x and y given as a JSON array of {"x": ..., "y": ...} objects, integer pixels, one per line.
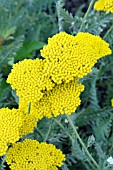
[
  {"x": 82, "y": 143},
  {"x": 49, "y": 131},
  {"x": 93, "y": 168},
  {"x": 39, "y": 133},
  {"x": 63, "y": 128},
  {"x": 29, "y": 107},
  {"x": 58, "y": 6},
  {"x": 86, "y": 15},
  {"x": 109, "y": 30}
]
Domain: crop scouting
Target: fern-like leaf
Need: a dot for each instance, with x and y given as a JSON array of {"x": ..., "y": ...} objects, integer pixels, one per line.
[{"x": 8, "y": 52}]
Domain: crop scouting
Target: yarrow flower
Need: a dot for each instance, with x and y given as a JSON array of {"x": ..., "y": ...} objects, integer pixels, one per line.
[
  {"x": 10, "y": 122},
  {"x": 105, "y": 5},
  {"x": 29, "y": 80},
  {"x": 65, "y": 57},
  {"x": 32, "y": 155},
  {"x": 63, "y": 98},
  {"x": 14, "y": 124},
  {"x": 69, "y": 57},
  {"x": 50, "y": 85}
]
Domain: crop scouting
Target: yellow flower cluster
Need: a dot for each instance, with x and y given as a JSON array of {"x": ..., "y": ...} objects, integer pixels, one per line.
[
  {"x": 62, "y": 99},
  {"x": 29, "y": 80},
  {"x": 105, "y": 5},
  {"x": 46, "y": 87},
  {"x": 10, "y": 122},
  {"x": 49, "y": 85},
  {"x": 70, "y": 56},
  {"x": 32, "y": 155},
  {"x": 14, "y": 124},
  {"x": 112, "y": 102}
]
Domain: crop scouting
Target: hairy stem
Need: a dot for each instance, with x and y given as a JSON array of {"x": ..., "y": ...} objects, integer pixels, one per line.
[
  {"x": 49, "y": 131},
  {"x": 63, "y": 128},
  {"x": 86, "y": 15},
  {"x": 58, "y": 6},
  {"x": 109, "y": 30},
  {"x": 92, "y": 166},
  {"x": 58, "y": 122},
  {"x": 82, "y": 143}
]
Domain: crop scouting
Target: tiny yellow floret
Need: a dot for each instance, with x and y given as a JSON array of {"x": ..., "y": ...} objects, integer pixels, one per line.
[{"x": 32, "y": 155}]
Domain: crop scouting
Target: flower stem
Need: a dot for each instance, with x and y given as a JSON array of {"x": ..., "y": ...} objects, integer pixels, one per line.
[
  {"x": 86, "y": 15},
  {"x": 63, "y": 128},
  {"x": 82, "y": 143},
  {"x": 49, "y": 131},
  {"x": 58, "y": 6},
  {"x": 109, "y": 30},
  {"x": 93, "y": 168}
]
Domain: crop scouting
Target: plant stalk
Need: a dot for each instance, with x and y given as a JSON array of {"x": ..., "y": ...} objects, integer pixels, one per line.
[
  {"x": 109, "y": 30},
  {"x": 63, "y": 128},
  {"x": 86, "y": 15},
  {"x": 93, "y": 167},
  {"x": 49, "y": 131},
  {"x": 58, "y": 6},
  {"x": 82, "y": 143}
]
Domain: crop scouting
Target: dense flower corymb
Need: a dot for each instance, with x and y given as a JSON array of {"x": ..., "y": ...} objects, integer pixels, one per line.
[
  {"x": 10, "y": 122},
  {"x": 32, "y": 155},
  {"x": 105, "y": 5},
  {"x": 29, "y": 80},
  {"x": 70, "y": 56},
  {"x": 64, "y": 98}
]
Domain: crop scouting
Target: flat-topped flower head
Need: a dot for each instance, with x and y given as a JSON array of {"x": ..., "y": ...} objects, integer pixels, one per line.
[
  {"x": 64, "y": 98},
  {"x": 105, "y": 5},
  {"x": 69, "y": 57},
  {"x": 10, "y": 122},
  {"x": 32, "y": 155},
  {"x": 29, "y": 80}
]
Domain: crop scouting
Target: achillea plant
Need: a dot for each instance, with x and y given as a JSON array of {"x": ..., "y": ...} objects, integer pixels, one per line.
[
  {"x": 65, "y": 57},
  {"x": 49, "y": 89},
  {"x": 32, "y": 155}
]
